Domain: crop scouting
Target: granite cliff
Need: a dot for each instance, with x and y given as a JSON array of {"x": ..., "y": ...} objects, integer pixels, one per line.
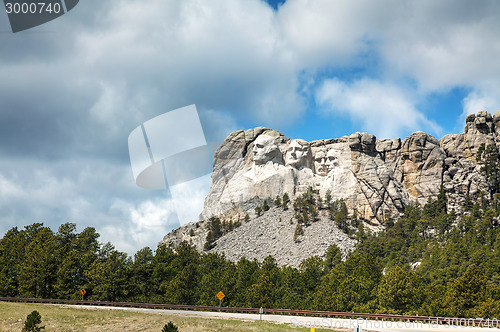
[{"x": 375, "y": 178}]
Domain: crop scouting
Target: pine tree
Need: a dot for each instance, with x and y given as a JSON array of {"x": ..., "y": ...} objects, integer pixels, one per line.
[
  {"x": 277, "y": 201},
  {"x": 333, "y": 257},
  {"x": 265, "y": 205},
  {"x": 468, "y": 203},
  {"x": 32, "y": 321},
  {"x": 341, "y": 215},
  {"x": 110, "y": 275},
  {"x": 400, "y": 291},
  {"x": 11, "y": 253},
  {"x": 258, "y": 211},
  {"x": 162, "y": 272},
  {"x": 328, "y": 199},
  {"x": 442, "y": 201},
  {"x": 68, "y": 262},
  {"x": 37, "y": 270},
  {"x": 299, "y": 231},
  {"x": 215, "y": 230},
  {"x": 141, "y": 270},
  {"x": 246, "y": 275},
  {"x": 466, "y": 292},
  {"x": 312, "y": 270},
  {"x": 286, "y": 200},
  {"x": 489, "y": 157},
  {"x": 264, "y": 292},
  {"x": 170, "y": 327}
]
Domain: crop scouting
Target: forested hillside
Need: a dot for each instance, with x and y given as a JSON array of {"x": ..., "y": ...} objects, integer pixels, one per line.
[{"x": 430, "y": 262}]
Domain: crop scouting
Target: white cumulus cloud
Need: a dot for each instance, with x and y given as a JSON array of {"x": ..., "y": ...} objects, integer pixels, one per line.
[
  {"x": 382, "y": 109},
  {"x": 485, "y": 98}
]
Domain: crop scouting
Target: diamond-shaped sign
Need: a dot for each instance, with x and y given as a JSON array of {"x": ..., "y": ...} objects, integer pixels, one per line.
[{"x": 220, "y": 295}]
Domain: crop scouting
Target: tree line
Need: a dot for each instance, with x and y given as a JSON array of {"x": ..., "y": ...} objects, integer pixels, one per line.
[{"x": 429, "y": 262}]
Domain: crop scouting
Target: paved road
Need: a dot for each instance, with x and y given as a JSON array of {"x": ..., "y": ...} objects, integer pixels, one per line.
[{"x": 301, "y": 323}]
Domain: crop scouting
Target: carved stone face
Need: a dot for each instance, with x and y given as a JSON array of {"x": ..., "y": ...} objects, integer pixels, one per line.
[
  {"x": 265, "y": 149},
  {"x": 331, "y": 160},
  {"x": 298, "y": 154},
  {"x": 320, "y": 163},
  {"x": 324, "y": 162}
]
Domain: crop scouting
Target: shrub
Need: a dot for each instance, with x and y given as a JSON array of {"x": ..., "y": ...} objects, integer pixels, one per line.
[
  {"x": 265, "y": 205},
  {"x": 258, "y": 211},
  {"x": 170, "y": 327},
  {"x": 299, "y": 230},
  {"x": 32, "y": 321},
  {"x": 285, "y": 201}
]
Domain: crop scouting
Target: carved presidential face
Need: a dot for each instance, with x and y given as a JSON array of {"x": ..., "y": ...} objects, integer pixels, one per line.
[
  {"x": 324, "y": 162},
  {"x": 298, "y": 154},
  {"x": 265, "y": 149},
  {"x": 331, "y": 160},
  {"x": 320, "y": 162}
]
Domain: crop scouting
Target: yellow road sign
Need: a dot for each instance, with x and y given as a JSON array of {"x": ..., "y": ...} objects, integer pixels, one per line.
[
  {"x": 82, "y": 291},
  {"x": 220, "y": 295}
]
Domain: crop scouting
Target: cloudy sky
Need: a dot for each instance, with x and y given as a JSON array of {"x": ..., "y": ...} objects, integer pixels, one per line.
[{"x": 72, "y": 90}]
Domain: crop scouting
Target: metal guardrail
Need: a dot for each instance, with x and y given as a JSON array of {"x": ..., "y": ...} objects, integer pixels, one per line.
[{"x": 431, "y": 319}]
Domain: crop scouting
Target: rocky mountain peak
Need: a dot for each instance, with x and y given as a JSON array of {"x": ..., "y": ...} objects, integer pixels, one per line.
[
  {"x": 376, "y": 178},
  {"x": 371, "y": 179}
]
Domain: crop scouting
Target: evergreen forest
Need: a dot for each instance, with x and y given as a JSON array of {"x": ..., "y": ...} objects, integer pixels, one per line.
[{"x": 429, "y": 262}]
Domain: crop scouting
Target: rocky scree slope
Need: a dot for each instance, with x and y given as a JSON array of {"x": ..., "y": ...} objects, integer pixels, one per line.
[{"x": 272, "y": 233}]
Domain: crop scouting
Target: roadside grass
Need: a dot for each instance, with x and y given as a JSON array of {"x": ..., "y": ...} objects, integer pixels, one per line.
[{"x": 65, "y": 318}]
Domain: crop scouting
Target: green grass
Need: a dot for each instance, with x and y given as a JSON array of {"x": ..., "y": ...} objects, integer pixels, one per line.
[{"x": 67, "y": 318}]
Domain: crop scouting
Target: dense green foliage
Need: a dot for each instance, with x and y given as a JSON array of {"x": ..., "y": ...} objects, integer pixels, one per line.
[
  {"x": 170, "y": 327},
  {"x": 459, "y": 271},
  {"x": 430, "y": 262},
  {"x": 216, "y": 229},
  {"x": 489, "y": 157},
  {"x": 305, "y": 207},
  {"x": 32, "y": 321}
]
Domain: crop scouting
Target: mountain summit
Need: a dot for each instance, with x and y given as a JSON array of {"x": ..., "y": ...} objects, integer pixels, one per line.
[{"x": 375, "y": 179}]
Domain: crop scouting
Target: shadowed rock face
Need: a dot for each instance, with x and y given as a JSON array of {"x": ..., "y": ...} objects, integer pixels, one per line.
[{"x": 377, "y": 178}]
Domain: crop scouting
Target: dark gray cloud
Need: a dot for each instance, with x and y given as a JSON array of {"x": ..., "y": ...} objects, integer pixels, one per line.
[
  {"x": 107, "y": 66},
  {"x": 73, "y": 89}
]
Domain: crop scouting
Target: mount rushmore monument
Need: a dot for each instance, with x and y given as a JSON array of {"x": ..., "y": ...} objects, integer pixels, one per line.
[{"x": 376, "y": 178}]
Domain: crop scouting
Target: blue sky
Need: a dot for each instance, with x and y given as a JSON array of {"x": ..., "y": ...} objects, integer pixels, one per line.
[
  {"x": 442, "y": 109},
  {"x": 72, "y": 90}
]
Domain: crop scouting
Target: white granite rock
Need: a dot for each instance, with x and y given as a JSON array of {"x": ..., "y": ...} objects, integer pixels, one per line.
[{"x": 376, "y": 178}]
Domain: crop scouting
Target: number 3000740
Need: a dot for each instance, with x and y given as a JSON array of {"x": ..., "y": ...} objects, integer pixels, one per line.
[{"x": 32, "y": 8}]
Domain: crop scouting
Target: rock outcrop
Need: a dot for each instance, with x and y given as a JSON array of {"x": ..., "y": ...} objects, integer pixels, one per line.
[
  {"x": 375, "y": 178},
  {"x": 422, "y": 166}
]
